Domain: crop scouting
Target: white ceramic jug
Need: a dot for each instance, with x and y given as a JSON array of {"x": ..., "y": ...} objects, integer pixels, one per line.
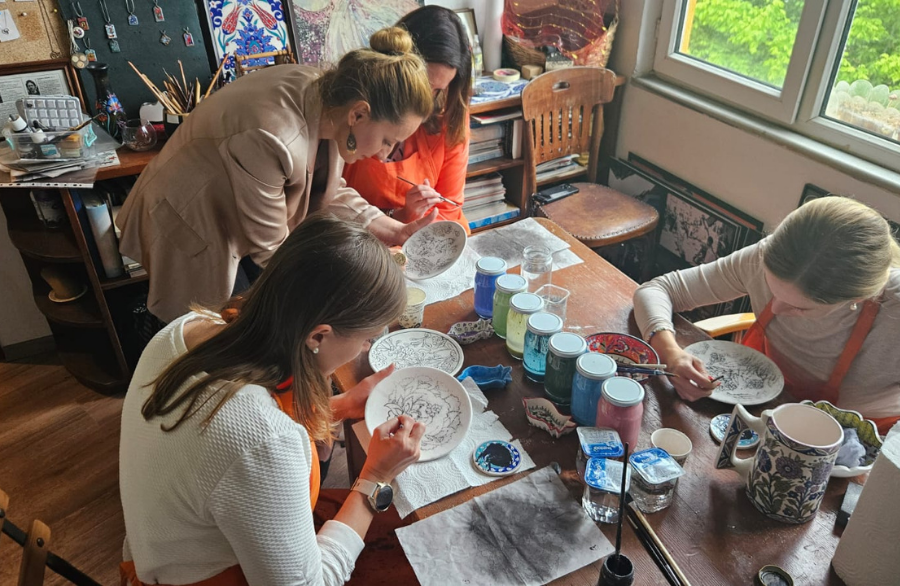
[{"x": 786, "y": 478}]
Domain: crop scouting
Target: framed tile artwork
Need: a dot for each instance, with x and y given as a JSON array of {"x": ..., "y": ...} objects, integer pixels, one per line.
[{"x": 246, "y": 27}]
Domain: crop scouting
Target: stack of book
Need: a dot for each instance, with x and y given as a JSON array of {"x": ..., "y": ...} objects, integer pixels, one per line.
[
  {"x": 495, "y": 135},
  {"x": 557, "y": 168},
  {"x": 484, "y": 202}
]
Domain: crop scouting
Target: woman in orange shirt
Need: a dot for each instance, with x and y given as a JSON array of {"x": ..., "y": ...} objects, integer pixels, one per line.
[{"x": 435, "y": 157}]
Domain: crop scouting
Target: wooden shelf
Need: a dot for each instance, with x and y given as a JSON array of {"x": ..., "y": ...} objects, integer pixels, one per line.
[
  {"x": 492, "y": 166},
  {"x": 130, "y": 163},
  {"x": 564, "y": 177},
  {"x": 35, "y": 241},
  {"x": 108, "y": 284},
  {"x": 514, "y": 102},
  {"x": 81, "y": 313},
  {"x": 92, "y": 372}
]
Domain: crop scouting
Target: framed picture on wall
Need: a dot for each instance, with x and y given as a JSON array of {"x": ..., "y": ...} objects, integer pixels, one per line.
[
  {"x": 467, "y": 16},
  {"x": 811, "y": 192},
  {"x": 40, "y": 78}
]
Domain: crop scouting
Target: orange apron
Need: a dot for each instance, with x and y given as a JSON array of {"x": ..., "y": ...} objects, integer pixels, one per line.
[
  {"x": 799, "y": 382},
  {"x": 425, "y": 154},
  {"x": 233, "y": 576}
]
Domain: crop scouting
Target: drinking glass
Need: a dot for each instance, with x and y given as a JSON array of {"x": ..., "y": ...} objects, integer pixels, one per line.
[
  {"x": 138, "y": 135},
  {"x": 555, "y": 299},
  {"x": 537, "y": 266}
]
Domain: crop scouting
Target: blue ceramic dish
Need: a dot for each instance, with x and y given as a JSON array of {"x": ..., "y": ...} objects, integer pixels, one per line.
[{"x": 488, "y": 377}]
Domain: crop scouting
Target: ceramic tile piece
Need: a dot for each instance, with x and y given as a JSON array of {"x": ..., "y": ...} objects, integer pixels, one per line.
[{"x": 246, "y": 27}]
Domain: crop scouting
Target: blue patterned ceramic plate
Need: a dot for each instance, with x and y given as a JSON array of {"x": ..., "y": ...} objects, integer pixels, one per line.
[
  {"x": 719, "y": 425},
  {"x": 497, "y": 458}
]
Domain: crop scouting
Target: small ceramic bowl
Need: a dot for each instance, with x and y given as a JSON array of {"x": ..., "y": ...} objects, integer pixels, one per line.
[
  {"x": 865, "y": 429},
  {"x": 543, "y": 414},
  {"x": 434, "y": 249},
  {"x": 625, "y": 350},
  {"x": 488, "y": 377},
  {"x": 467, "y": 332}
]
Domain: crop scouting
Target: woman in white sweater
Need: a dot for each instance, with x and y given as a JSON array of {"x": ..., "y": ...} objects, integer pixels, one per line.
[
  {"x": 825, "y": 288},
  {"x": 218, "y": 470}
]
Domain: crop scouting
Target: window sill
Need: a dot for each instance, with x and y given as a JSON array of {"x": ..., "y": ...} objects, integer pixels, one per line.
[{"x": 844, "y": 162}]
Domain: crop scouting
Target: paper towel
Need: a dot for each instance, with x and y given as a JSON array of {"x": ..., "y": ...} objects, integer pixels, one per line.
[
  {"x": 492, "y": 36},
  {"x": 867, "y": 552},
  {"x": 104, "y": 237}
]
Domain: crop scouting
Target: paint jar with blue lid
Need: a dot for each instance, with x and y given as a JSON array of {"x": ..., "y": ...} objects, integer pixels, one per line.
[
  {"x": 602, "y": 487},
  {"x": 591, "y": 370},
  {"x": 521, "y": 307},
  {"x": 487, "y": 270},
  {"x": 563, "y": 350},
  {"x": 506, "y": 286},
  {"x": 597, "y": 442},
  {"x": 540, "y": 327}
]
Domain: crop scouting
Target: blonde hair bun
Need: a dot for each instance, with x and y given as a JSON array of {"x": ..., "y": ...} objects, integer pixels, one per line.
[{"x": 392, "y": 41}]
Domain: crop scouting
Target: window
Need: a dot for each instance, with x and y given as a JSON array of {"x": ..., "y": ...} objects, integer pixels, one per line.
[{"x": 827, "y": 69}]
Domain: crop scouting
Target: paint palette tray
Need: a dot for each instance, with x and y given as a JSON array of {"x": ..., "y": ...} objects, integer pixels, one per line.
[{"x": 54, "y": 112}]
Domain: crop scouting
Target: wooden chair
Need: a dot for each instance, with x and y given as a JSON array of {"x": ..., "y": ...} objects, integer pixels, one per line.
[
  {"x": 36, "y": 555},
  {"x": 734, "y": 323},
  {"x": 563, "y": 112},
  {"x": 278, "y": 57}
]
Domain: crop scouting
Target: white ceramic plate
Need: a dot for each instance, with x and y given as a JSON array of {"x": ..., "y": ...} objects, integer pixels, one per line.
[
  {"x": 429, "y": 396},
  {"x": 416, "y": 347},
  {"x": 751, "y": 378},
  {"x": 433, "y": 249}
]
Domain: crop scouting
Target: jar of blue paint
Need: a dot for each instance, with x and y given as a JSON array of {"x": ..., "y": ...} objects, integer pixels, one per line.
[
  {"x": 541, "y": 326},
  {"x": 591, "y": 370},
  {"x": 487, "y": 270}
]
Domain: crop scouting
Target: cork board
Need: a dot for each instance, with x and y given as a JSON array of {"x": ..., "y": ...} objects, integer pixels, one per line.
[{"x": 42, "y": 36}]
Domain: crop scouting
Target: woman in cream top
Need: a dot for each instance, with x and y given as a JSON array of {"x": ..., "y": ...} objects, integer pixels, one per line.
[
  {"x": 828, "y": 267},
  {"x": 248, "y": 165}
]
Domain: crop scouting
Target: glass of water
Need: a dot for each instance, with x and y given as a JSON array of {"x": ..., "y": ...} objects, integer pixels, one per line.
[{"x": 537, "y": 266}]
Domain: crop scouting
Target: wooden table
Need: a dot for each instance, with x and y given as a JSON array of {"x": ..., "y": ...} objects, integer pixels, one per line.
[{"x": 712, "y": 530}]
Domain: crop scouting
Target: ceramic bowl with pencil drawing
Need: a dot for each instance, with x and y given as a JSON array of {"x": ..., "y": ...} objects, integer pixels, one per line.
[
  {"x": 416, "y": 347},
  {"x": 434, "y": 249},
  {"x": 429, "y": 396},
  {"x": 747, "y": 377}
]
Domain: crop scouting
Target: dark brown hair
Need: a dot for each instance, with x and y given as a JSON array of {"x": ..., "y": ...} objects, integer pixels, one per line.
[
  {"x": 328, "y": 271},
  {"x": 439, "y": 37}
]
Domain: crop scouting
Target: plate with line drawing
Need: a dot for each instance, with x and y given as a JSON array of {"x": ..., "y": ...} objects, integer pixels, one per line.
[
  {"x": 429, "y": 396},
  {"x": 434, "y": 249},
  {"x": 416, "y": 347},
  {"x": 750, "y": 377}
]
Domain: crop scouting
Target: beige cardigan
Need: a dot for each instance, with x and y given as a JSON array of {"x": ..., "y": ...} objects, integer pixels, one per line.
[{"x": 233, "y": 181}]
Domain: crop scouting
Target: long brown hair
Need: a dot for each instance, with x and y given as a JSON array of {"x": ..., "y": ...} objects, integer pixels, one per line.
[
  {"x": 834, "y": 249},
  {"x": 440, "y": 38},
  {"x": 328, "y": 271},
  {"x": 390, "y": 77}
]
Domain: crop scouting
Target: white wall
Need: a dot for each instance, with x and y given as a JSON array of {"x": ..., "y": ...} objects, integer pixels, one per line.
[
  {"x": 752, "y": 173},
  {"x": 20, "y": 320}
]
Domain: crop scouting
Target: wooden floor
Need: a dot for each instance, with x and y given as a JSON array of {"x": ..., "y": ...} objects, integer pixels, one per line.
[{"x": 59, "y": 462}]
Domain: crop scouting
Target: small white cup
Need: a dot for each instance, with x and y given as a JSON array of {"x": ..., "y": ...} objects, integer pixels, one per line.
[
  {"x": 415, "y": 308},
  {"x": 674, "y": 442}
]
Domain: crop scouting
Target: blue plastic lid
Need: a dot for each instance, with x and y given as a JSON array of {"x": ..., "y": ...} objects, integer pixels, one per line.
[
  {"x": 655, "y": 465},
  {"x": 600, "y": 442},
  {"x": 544, "y": 324},
  {"x": 490, "y": 265},
  {"x": 511, "y": 283},
  {"x": 596, "y": 366},
  {"x": 622, "y": 392},
  {"x": 606, "y": 475},
  {"x": 567, "y": 345},
  {"x": 526, "y": 303}
]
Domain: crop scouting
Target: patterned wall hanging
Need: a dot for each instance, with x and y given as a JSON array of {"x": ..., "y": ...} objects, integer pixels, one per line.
[
  {"x": 246, "y": 27},
  {"x": 324, "y": 30}
]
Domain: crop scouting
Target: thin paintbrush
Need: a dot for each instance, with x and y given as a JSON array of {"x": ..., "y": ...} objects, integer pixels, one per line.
[
  {"x": 651, "y": 549},
  {"x": 639, "y": 516},
  {"x": 650, "y": 371},
  {"x": 621, "y": 507},
  {"x": 440, "y": 196},
  {"x": 717, "y": 379}
]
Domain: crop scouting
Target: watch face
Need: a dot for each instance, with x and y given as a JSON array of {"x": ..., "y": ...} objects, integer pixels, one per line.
[{"x": 384, "y": 496}]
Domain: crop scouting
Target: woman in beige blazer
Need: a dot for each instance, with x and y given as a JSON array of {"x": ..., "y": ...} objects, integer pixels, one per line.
[{"x": 255, "y": 158}]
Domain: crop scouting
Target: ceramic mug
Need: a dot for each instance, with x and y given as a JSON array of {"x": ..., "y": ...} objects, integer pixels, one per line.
[{"x": 786, "y": 478}]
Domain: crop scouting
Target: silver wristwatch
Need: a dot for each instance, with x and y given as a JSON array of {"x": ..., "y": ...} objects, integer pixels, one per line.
[{"x": 379, "y": 494}]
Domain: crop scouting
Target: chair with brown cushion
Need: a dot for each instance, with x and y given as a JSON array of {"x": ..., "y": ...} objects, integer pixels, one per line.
[
  {"x": 260, "y": 61},
  {"x": 563, "y": 112}
]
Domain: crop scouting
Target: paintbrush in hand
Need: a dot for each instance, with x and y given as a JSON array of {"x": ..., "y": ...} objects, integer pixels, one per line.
[{"x": 450, "y": 201}]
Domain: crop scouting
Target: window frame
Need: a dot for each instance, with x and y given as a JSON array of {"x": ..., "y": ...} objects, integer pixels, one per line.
[{"x": 799, "y": 107}]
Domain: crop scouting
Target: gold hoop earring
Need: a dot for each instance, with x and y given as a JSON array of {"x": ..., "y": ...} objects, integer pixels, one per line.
[{"x": 351, "y": 143}]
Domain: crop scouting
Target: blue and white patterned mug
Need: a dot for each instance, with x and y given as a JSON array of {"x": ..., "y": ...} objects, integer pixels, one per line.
[{"x": 786, "y": 478}]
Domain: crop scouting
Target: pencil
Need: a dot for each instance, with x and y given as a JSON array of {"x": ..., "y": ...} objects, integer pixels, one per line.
[{"x": 440, "y": 196}]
